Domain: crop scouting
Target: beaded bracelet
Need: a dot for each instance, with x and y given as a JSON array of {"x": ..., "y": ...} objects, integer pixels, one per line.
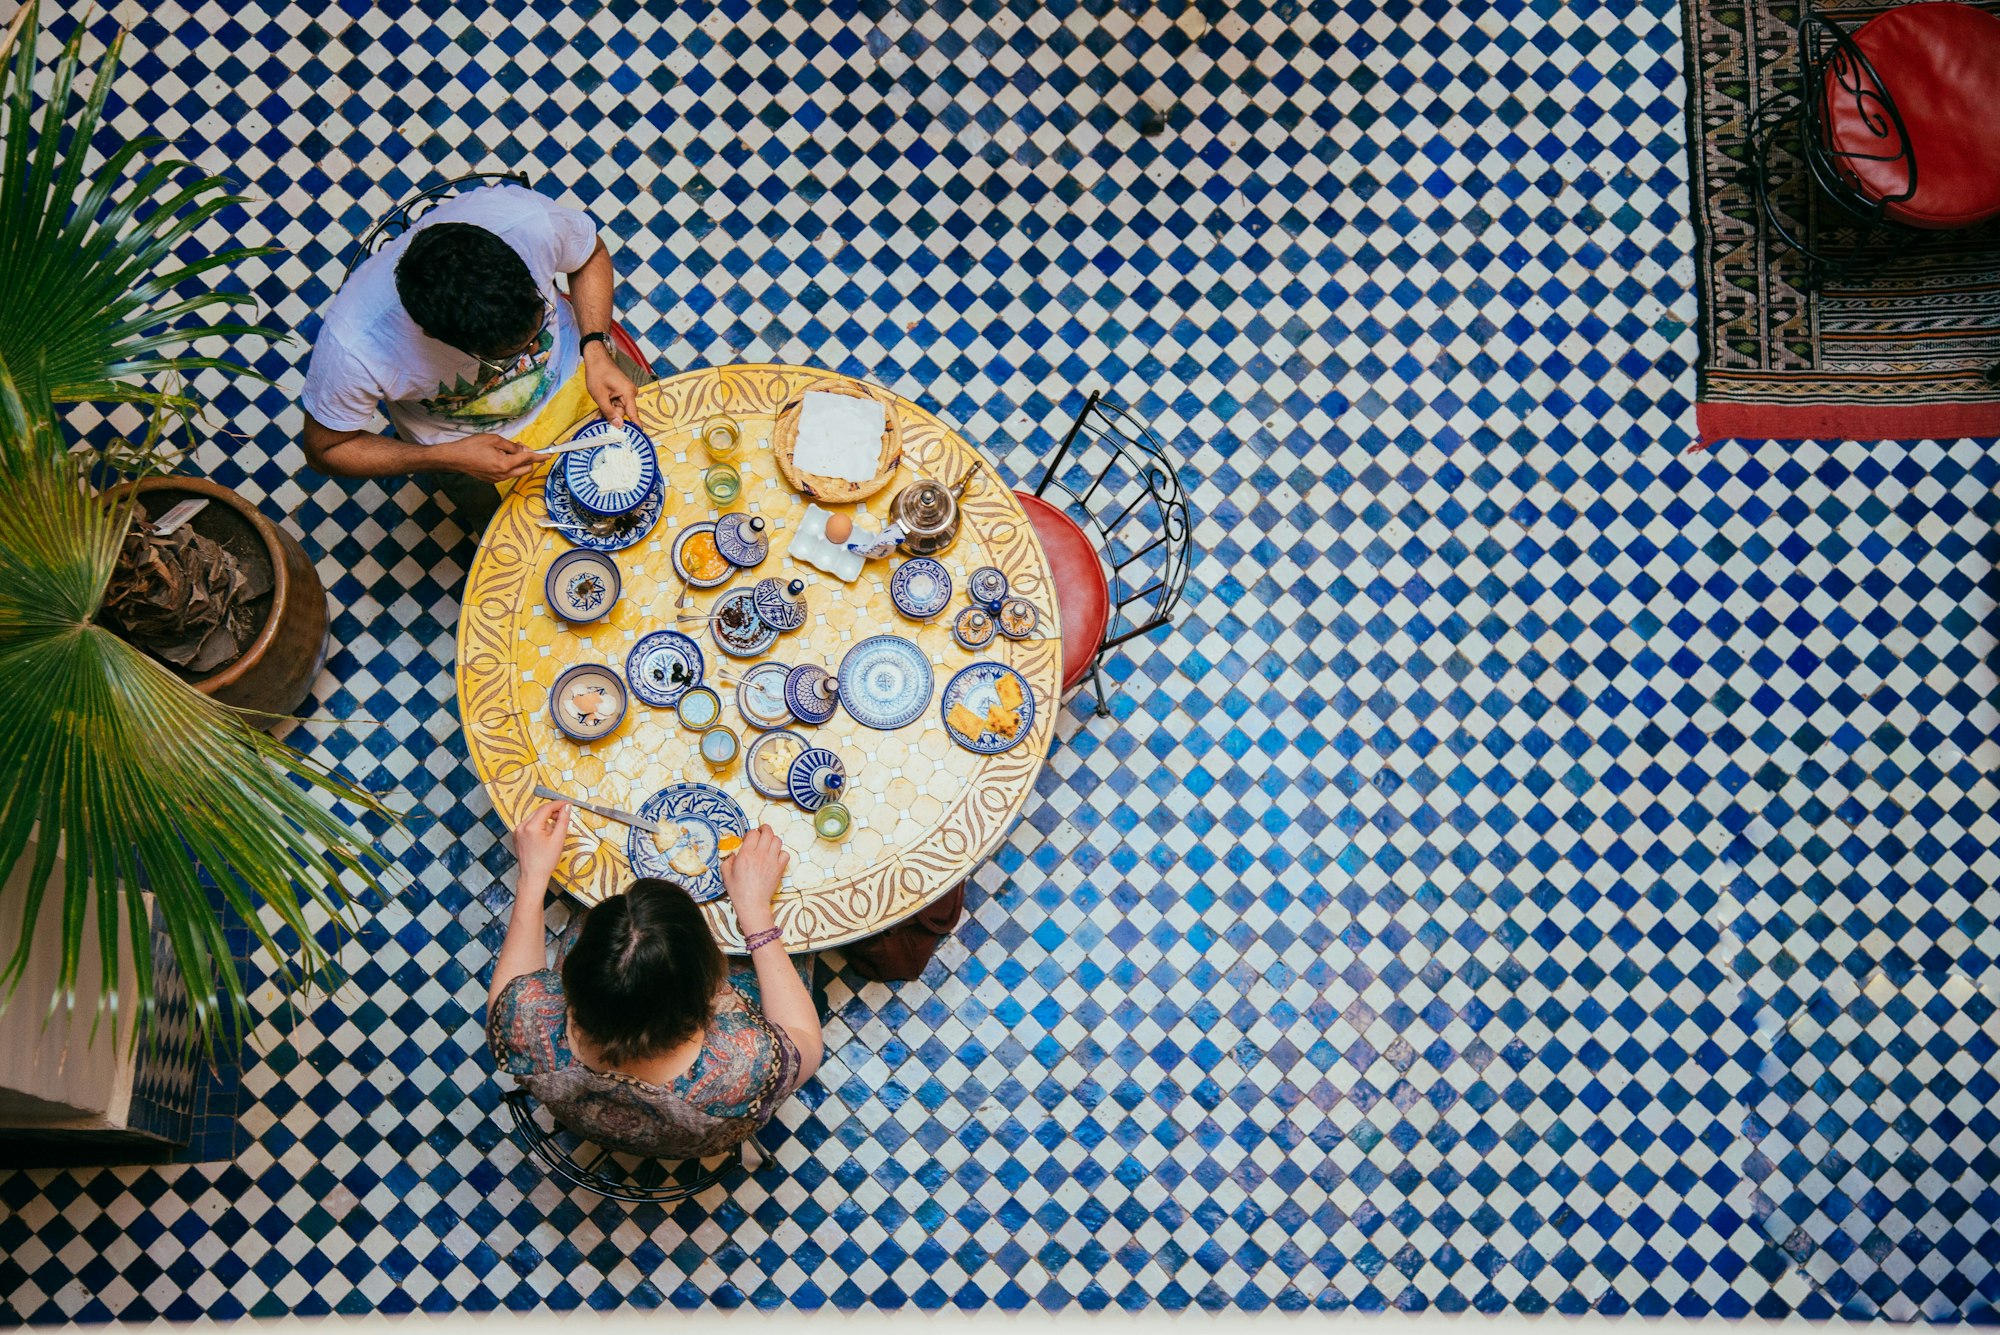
[{"x": 758, "y": 940}]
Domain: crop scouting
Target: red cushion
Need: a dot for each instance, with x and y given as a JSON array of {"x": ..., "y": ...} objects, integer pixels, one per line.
[
  {"x": 1940, "y": 64},
  {"x": 621, "y": 338},
  {"x": 1083, "y": 596}
]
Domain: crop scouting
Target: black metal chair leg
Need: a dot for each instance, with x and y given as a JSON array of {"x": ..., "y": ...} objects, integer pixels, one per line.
[{"x": 1097, "y": 681}]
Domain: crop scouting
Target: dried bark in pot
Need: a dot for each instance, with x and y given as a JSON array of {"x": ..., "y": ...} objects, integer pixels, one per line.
[{"x": 182, "y": 598}]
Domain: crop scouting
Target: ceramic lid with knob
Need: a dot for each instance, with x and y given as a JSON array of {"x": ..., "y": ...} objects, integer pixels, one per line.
[
  {"x": 744, "y": 540},
  {"x": 816, "y": 778},
  {"x": 779, "y": 605}
]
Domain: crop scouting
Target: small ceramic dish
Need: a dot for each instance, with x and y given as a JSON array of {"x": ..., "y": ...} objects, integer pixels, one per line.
[
  {"x": 986, "y": 586},
  {"x": 587, "y": 702},
  {"x": 699, "y": 709},
  {"x": 614, "y": 477},
  {"x": 581, "y": 585},
  {"x": 737, "y": 628},
  {"x": 697, "y": 559},
  {"x": 719, "y": 746},
  {"x": 767, "y": 764},
  {"x": 920, "y": 588},
  {"x": 817, "y": 777},
  {"x": 760, "y": 696},
  {"x": 974, "y": 628},
  {"x": 987, "y": 708},
  {"x": 811, "y": 693},
  {"x": 1018, "y": 618},
  {"x": 782, "y": 607},
  {"x": 662, "y": 666},
  {"x": 742, "y": 539}
]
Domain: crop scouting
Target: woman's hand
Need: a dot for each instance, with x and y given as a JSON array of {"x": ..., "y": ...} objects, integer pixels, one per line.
[
  {"x": 538, "y": 841},
  {"x": 751, "y": 876}
]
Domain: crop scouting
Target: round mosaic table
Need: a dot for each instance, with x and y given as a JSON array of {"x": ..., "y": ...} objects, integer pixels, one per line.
[{"x": 925, "y": 811}]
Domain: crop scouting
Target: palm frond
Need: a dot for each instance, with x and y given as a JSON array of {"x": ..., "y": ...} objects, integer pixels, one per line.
[
  {"x": 85, "y": 312},
  {"x": 143, "y": 781}
]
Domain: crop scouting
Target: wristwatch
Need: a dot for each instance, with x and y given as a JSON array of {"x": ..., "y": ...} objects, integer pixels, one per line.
[{"x": 587, "y": 339}]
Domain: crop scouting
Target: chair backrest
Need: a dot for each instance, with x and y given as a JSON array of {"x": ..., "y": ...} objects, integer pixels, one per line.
[
  {"x": 399, "y": 219},
  {"x": 620, "y": 1177},
  {"x": 1126, "y": 482}
]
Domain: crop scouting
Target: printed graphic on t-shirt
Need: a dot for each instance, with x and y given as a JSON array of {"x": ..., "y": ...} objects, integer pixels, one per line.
[{"x": 498, "y": 396}]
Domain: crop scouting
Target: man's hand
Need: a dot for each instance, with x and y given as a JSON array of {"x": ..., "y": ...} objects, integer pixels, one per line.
[
  {"x": 488, "y": 457},
  {"x": 610, "y": 388}
]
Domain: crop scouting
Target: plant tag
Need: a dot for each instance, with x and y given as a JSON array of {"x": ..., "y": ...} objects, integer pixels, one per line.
[{"x": 179, "y": 515}]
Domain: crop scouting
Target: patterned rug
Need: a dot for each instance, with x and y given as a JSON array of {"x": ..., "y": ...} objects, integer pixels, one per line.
[{"x": 1896, "y": 350}]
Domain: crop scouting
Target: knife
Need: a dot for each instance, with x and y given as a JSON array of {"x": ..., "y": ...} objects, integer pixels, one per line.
[{"x": 609, "y": 813}]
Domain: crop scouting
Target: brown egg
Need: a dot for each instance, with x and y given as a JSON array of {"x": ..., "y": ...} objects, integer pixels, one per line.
[{"x": 839, "y": 528}]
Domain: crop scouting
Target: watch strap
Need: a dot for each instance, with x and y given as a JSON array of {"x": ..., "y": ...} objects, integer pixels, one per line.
[{"x": 588, "y": 339}]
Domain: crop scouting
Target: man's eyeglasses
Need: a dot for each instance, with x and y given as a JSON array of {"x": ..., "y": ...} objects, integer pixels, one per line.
[{"x": 502, "y": 365}]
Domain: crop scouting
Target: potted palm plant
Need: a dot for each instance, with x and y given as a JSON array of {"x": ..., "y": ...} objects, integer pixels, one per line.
[{"x": 140, "y": 784}]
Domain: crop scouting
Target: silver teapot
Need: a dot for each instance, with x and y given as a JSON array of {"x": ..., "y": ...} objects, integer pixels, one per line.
[{"x": 926, "y": 512}]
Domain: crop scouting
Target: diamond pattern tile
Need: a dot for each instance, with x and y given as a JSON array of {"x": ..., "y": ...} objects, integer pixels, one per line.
[{"x": 1524, "y": 844}]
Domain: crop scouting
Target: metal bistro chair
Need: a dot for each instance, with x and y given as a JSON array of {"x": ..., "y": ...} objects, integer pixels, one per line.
[
  {"x": 1123, "y": 480},
  {"x": 648, "y": 1182},
  {"x": 405, "y": 214},
  {"x": 1914, "y": 87}
]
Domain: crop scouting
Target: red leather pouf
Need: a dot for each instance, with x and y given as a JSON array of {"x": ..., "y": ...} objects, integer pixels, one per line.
[{"x": 1940, "y": 64}]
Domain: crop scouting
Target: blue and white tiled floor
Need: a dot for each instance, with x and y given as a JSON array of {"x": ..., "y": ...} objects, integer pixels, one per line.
[{"x": 1541, "y": 869}]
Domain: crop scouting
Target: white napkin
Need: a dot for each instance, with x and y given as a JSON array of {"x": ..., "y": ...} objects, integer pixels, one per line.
[{"x": 840, "y": 436}]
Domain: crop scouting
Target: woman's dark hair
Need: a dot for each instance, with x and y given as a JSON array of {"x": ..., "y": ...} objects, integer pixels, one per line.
[
  {"x": 643, "y": 973},
  {"x": 465, "y": 286}
]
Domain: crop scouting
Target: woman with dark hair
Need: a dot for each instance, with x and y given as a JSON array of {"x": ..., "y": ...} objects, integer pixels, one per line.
[{"x": 643, "y": 1039}]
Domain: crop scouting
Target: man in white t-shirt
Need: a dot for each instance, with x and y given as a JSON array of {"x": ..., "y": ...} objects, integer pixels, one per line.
[{"x": 455, "y": 331}]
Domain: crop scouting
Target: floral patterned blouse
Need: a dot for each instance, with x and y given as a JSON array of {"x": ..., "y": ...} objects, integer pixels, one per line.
[{"x": 746, "y": 1068}]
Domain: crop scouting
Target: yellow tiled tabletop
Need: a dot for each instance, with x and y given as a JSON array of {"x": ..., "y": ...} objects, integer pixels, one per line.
[{"x": 925, "y": 812}]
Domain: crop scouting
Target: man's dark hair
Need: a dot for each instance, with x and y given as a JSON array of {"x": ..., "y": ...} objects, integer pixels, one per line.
[
  {"x": 643, "y": 973},
  {"x": 465, "y": 286}
]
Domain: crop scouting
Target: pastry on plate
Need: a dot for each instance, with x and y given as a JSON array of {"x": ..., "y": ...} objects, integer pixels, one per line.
[
  {"x": 965, "y": 721},
  {"x": 1003, "y": 722},
  {"x": 688, "y": 861},
  {"x": 1008, "y": 689},
  {"x": 666, "y": 836}
]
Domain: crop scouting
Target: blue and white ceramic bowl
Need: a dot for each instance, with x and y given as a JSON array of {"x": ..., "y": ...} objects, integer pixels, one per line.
[
  {"x": 986, "y": 587},
  {"x": 920, "y": 588},
  {"x": 737, "y": 629},
  {"x": 587, "y": 702},
  {"x": 587, "y": 473},
  {"x": 581, "y": 586},
  {"x": 767, "y": 764},
  {"x": 760, "y": 696}
]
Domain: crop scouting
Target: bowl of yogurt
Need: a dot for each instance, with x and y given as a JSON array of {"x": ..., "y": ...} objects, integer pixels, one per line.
[{"x": 614, "y": 476}]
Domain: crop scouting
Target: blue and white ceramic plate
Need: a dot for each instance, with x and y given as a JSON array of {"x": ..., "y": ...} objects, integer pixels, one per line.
[
  {"x": 920, "y": 588},
  {"x": 744, "y": 540},
  {"x": 802, "y": 695},
  {"x": 885, "y": 682},
  {"x": 581, "y": 586},
  {"x": 810, "y": 771},
  {"x": 692, "y": 816},
  {"x": 737, "y": 628},
  {"x": 760, "y": 696},
  {"x": 601, "y": 535},
  {"x": 663, "y": 667},
  {"x": 581, "y": 470},
  {"x": 977, "y": 689},
  {"x": 768, "y": 762},
  {"x": 680, "y": 565}
]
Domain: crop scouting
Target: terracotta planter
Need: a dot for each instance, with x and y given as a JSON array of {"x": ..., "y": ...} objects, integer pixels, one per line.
[{"x": 275, "y": 673}]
